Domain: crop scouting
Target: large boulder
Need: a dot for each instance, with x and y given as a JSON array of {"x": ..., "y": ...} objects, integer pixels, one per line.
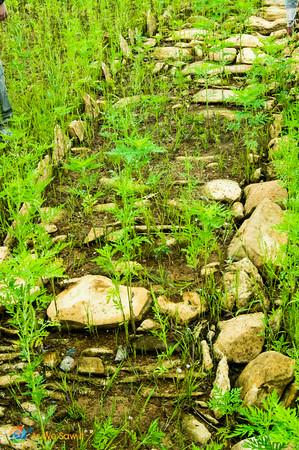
[
  {"x": 258, "y": 239},
  {"x": 222, "y": 190},
  {"x": 241, "y": 281},
  {"x": 95, "y": 300},
  {"x": 257, "y": 192},
  {"x": 241, "y": 339},
  {"x": 269, "y": 371}
]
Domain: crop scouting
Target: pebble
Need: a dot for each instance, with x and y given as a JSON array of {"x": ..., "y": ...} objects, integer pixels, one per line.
[
  {"x": 121, "y": 353},
  {"x": 67, "y": 364}
]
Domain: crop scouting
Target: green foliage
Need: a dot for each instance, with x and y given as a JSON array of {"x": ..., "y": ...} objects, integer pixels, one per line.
[
  {"x": 272, "y": 424},
  {"x": 227, "y": 402},
  {"x": 135, "y": 151},
  {"x": 104, "y": 435}
]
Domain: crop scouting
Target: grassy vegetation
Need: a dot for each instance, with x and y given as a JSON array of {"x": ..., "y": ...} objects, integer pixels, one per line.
[{"x": 54, "y": 54}]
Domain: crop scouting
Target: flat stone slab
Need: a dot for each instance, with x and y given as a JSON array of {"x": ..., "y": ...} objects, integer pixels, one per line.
[
  {"x": 94, "y": 300},
  {"x": 213, "y": 96}
]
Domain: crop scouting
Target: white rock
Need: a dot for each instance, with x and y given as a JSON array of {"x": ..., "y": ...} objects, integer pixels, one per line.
[
  {"x": 241, "y": 339},
  {"x": 195, "y": 430},
  {"x": 184, "y": 311},
  {"x": 148, "y": 325},
  {"x": 94, "y": 300},
  {"x": 222, "y": 190}
]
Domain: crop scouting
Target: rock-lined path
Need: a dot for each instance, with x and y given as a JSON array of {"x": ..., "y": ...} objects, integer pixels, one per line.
[{"x": 236, "y": 344}]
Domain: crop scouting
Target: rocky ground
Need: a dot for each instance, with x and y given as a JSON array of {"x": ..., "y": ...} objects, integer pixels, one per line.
[{"x": 90, "y": 365}]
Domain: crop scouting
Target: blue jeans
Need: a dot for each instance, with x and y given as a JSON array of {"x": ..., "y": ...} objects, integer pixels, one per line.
[
  {"x": 6, "y": 110},
  {"x": 291, "y": 8}
]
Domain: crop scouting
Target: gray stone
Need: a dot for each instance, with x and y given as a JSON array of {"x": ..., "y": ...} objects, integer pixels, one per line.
[
  {"x": 95, "y": 300},
  {"x": 67, "y": 364},
  {"x": 267, "y": 372},
  {"x": 241, "y": 339}
]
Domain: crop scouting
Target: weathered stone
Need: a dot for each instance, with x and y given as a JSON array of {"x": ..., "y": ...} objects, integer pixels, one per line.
[
  {"x": 151, "y": 23},
  {"x": 189, "y": 34},
  {"x": 164, "y": 53},
  {"x": 290, "y": 395},
  {"x": 207, "y": 362},
  {"x": 267, "y": 372},
  {"x": 201, "y": 67},
  {"x": 238, "y": 210},
  {"x": 221, "y": 381},
  {"x": 158, "y": 67},
  {"x": 183, "y": 312},
  {"x": 224, "y": 55},
  {"x": 91, "y": 365},
  {"x": 95, "y": 300},
  {"x": 241, "y": 281},
  {"x": 104, "y": 207},
  {"x": 195, "y": 430},
  {"x": 2, "y": 411},
  {"x": 244, "y": 40},
  {"x": 67, "y": 364},
  {"x": 95, "y": 233},
  {"x": 4, "y": 253},
  {"x": 9, "y": 380},
  {"x": 256, "y": 176},
  {"x": 241, "y": 339},
  {"x": 149, "y": 325},
  {"x": 214, "y": 113},
  {"x": 273, "y": 12},
  {"x": 222, "y": 190},
  {"x": 279, "y": 34},
  {"x": 77, "y": 129},
  {"x": 213, "y": 96},
  {"x": 256, "y": 193},
  {"x": 209, "y": 269},
  {"x": 149, "y": 344},
  {"x": 248, "y": 56},
  {"x": 51, "y": 359},
  {"x": 97, "y": 351},
  {"x": 265, "y": 26},
  {"x": 257, "y": 237}
]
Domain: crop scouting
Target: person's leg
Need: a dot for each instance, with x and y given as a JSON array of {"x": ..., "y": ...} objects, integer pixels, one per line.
[
  {"x": 6, "y": 108},
  {"x": 291, "y": 9}
]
